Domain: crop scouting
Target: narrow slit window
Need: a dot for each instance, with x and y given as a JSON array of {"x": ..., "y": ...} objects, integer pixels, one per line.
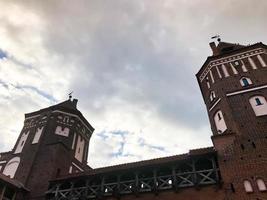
[
  {"x": 245, "y": 81},
  {"x": 219, "y": 116},
  {"x": 248, "y": 186},
  {"x": 261, "y": 185},
  {"x": 258, "y": 101}
]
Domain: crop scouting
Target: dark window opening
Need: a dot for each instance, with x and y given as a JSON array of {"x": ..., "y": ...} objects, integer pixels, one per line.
[
  {"x": 58, "y": 172},
  {"x": 22, "y": 143},
  {"x": 232, "y": 187},
  {"x": 258, "y": 101},
  {"x": 242, "y": 147},
  {"x": 219, "y": 116},
  {"x": 253, "y": 145},
  {"x": 245, "y": 82}
]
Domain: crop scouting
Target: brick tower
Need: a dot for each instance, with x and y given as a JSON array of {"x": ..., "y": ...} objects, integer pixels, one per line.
[
  {"x": 233, "y": 82},
  {"x": 53, "y": 142}
]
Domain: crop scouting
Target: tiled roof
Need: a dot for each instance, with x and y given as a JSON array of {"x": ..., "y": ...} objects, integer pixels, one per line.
[
  {"x": 144, "y": 163},
  {"x": 12, "y": 182}
]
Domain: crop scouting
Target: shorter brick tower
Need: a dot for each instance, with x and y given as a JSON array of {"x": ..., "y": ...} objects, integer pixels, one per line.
[
  {"x": 53, "y": 142},
  {"x": 234, "y": 87}
]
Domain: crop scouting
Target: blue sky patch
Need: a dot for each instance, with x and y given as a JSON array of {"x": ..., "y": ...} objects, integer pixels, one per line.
[{"x": 2, "y": 54}]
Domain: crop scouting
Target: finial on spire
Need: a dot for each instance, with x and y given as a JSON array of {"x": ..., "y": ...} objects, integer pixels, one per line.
[
  {"x": 70, "y": 95},
  {"x": 218, "y": 37}
]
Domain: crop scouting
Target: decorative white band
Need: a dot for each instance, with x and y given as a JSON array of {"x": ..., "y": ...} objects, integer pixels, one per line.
[
  {"x": 247, "y": 90},
  {"x": 75, "y": 165},
  {"x": 215, "y": 104}
]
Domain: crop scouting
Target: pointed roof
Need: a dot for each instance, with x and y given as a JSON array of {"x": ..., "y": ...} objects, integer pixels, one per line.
[
  {"x": 225, "y": 47},
  {"x": 69, "y": 106}
]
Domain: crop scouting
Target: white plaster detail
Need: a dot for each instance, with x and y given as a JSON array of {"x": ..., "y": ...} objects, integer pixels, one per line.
[
  {"x": 243, "y": 66},
  {"x": 211, "y": 76},
  {"x": 247, "y": 90},
  {"x": 63, "y": 132},
  {"x": 248, "y": 186},
  {"x": 70, "y": 170},
  {"x": 77, "y": 167},
  {"x": 79, "y": 148},
  {"x": 228, "y": 59},
  {"x": 37, "y": 135},
  {"x": 3, "y": 162},
  {"x": 212, "y": 95},
  {"x": 245, "y": 81},
  {"x": 219, "y": 122},
  {"x": 226, "y": 74},
  {"x": 208, "y": 84},
  {"x": 73, "y": 142},
  {"x": 66, "y": 119},
  {"x": 22, "y": 142},
  {"x": 233, "y": 69},
  {"x": 251, "y": 62},
  {"x": 261, "y": 185},
  {"x": 76, "y": 116},
  {"x": 11, "y": 167},
  {"x": 263, "y": 64},
  {"x": 259, "y": 105},
  {"x": 218, "y": 71},
  {"x": 0, "y": 167},
  {"x": 215, "y": 104}
]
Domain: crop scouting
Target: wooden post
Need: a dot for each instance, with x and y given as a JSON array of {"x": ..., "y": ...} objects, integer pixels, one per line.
[
  {"x": 14, "y": 195},
  {"x": 194, "y": 172},
  {"x": 118, "y": 186},
  {"x": 3, "y": 193},
  {"x": 215, "y": 169},
  {"x": 155, "y": 186},
  {"x": 136, "y": 184},
  {"x": 86, "y": 188},
  {"x": 174, "y": 178},
  {"x": 102, "y": 187}
]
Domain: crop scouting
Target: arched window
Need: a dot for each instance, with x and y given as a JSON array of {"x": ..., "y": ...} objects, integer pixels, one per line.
[
  {"x": 212, "y": 95},
  {"x": 11, "y": 167},
  {"x": 248, "y": 186},
  {"x": 261, "y": 185},
  {"x": 259, "y": 105},
  {"x": 219, "y": 122},
  {"x": 245, "y": 81}
]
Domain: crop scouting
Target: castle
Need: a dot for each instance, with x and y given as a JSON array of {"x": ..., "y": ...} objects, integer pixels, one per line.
[{"x": 49, "y": 159}]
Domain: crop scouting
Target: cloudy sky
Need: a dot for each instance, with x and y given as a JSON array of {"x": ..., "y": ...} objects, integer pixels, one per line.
[{"x": 131, "y": 64}]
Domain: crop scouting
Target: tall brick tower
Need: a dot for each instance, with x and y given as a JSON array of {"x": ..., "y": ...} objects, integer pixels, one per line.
[
  {"x": 233, "y": 82},
  {"x": 53, "y": 142}
]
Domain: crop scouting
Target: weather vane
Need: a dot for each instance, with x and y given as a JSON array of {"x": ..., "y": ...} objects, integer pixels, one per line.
[
  {"x": 218, "y": 37},
  {"x": 70, "y": 95}
]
